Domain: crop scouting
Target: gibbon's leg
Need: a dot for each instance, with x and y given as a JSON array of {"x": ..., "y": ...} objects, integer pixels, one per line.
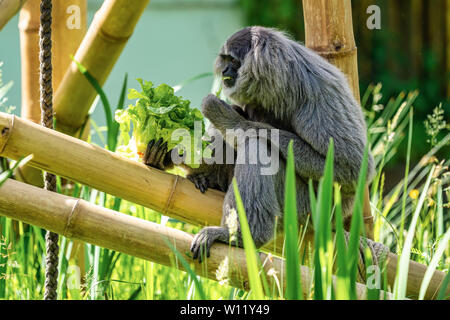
[{"x": 261, "y": 196}]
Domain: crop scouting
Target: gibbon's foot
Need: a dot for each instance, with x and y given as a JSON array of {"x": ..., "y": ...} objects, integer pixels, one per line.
[
  {"x": 157, "y": 155},
  {"x": 199, "y": 180},
  {"x": 202, "y": 242}
]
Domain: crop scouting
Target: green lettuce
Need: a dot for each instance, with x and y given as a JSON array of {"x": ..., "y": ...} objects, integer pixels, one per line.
[{"x": 157, "y": 114}]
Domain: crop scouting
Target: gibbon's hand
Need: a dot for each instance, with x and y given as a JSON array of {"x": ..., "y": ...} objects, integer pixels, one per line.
[
  {"x": 157, "y": 155},
  {"x": 221, "y": 114},
  {"x": 200, "y": 180}
]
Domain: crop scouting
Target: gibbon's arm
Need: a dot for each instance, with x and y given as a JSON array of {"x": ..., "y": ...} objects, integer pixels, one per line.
[
  {"x": 309, "y": 161},
  {"x": 214, "y": 176}
]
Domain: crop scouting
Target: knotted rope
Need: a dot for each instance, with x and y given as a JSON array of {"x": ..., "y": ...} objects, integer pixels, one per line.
[{"x": 45, "y": 58}]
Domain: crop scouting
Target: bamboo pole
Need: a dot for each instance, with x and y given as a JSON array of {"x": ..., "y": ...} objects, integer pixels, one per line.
[
  {"x": 109, "y": 172},
  {"x": 68, "y": 29},
  {"x": 29, "y": 51},
  {"x": 113, "y": 25},
  {"x": 329, "y": 31},
  {"x": 8, "y": 9},
  {"x": 82, "y": 220}
]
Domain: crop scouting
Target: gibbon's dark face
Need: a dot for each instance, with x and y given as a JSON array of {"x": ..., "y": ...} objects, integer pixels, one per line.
[
  {"x": 232, "y": 56},
  {"x": 230, "y": 69}
]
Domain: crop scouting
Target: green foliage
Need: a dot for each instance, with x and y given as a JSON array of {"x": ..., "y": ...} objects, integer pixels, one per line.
[
  {"x": 403, "y": 264},
  {"x": 324, "y": 246},
  {"x": 109, "y": 275},
  {"x": 387, "y": 128},
  {"x": 357, "y": 226},
  {"x": 184, "y": 83}
]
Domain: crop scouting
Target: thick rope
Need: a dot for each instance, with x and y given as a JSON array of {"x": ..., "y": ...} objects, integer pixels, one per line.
[{"x": 45, "y": 58}]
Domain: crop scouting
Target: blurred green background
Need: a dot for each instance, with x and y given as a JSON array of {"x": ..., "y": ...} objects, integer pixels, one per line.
[{"x": 178, "y": 39}]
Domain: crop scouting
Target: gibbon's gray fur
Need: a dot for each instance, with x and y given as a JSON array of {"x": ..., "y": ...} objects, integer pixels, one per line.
[{"x": 276, "y": 82}]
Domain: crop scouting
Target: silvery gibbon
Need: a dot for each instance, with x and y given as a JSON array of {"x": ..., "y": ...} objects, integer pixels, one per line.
[{"x": 276, "y": 83}]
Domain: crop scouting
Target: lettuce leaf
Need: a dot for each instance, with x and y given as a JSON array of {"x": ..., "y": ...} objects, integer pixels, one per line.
[{"x": 156, "y": 114}]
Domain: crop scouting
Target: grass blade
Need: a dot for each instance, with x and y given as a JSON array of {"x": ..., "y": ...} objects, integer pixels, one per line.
[
  {"x": 8, "y": 173},
  {"x": 444, "y": 286},
  {"x": 293, "y": 281},
  {"x": 343, "y": 286},
  {"x": 403, "y": 263},
  {"x": 178, "y": 87},
  {"x": 323, "y": 243},
  {"x": 405, "y": 187},
  {"x": 198, "y": 285},
  {"x": 249, "y": 246},
  {"x": 106, "y": 105},
  {"x": 357, "y": 225},
  {"x": 120, "y": 105}
]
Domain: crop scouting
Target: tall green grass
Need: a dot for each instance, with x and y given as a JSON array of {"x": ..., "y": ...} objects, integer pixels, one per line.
[
  {"x": 110, "y": 275},
  {"x": 293, "y": 275}
]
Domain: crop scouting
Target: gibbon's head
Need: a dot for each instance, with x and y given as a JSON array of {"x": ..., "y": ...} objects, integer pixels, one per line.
[{"x": 264, "y": 66}]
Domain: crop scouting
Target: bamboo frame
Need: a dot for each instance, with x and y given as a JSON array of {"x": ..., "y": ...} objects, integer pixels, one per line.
[
  {"x": 82, "y": 220},
  {"x": 8, "y": 9},
  {"x": 29, "y": 55},
  {"x": 108, "y": 34},
  {"x": 329, "y": 31},
  {"x": 106, "y": 171},
  {"x": 65, "y": 42}
]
